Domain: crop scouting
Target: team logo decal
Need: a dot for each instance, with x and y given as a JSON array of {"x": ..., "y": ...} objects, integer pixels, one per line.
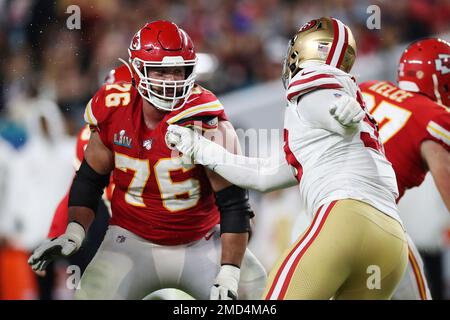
[
  {"x": 136, "y": 42},
  {"x": 148, "y": 144},
  {"x": 443, "y": 63},
  {"x": 122, "y": 140},
  {"x": 307, "y": 25},
  {"x": 121, "y": 239}
]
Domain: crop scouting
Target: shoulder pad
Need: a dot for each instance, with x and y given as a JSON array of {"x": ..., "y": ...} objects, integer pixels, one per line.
[
  {"x": 438, "y": 126},
  {"x": 203, "y": 106},
  {"x": 106, "y": 101},
  {"x": 308, "y": 80}
]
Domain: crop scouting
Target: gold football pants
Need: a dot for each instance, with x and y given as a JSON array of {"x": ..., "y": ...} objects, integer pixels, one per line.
[{"x": 350, "y": 251}]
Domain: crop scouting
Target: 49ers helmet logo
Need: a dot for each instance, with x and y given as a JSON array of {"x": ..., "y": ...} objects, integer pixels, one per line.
[
  {"x": 136, "y": 42},
  {"x": 307, "y": 25},
  {"x": 443, "y": 63}
]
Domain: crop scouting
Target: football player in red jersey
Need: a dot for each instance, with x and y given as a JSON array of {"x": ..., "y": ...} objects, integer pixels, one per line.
[
  {"x": 163, "y": 231},
  {"x": 414, "y": 126}
]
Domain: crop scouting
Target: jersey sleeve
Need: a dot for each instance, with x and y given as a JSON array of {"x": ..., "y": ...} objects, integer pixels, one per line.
[
  {"x": 96, "y": 113},
  {"x": 313, "y": 108},
  {"x": 438, "y": 128},
  {"x": 203, "y": 111},
  {"x": 104, "y": 104}
]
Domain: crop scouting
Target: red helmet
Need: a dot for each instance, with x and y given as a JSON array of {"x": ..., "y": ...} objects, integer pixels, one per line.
[
  {"x": 425, "y": 68},
  {"x": 162, "y": 44},
  {"x": 119, "y": 74}
]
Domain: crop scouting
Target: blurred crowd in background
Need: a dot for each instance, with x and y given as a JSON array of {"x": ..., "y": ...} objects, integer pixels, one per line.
[
  {"x": 48, "y": 73},
  {"x": 248, "y": 38}
]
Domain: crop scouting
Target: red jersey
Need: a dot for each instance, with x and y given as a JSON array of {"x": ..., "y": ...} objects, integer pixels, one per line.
[
  {"x": 156, "y": 196},
  {"x": 406, "y": 119}
]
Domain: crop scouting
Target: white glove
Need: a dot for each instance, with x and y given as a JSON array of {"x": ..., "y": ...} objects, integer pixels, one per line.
[
  {"x": 185, "y": 140},
  {"x": 62, "y": 246},
  {"x": 347, "y": 111},
  {"x": 226, "y": 284}
]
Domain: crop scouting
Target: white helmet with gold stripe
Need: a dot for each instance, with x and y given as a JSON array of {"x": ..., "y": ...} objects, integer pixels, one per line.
[{"x": 325, "y": 40}]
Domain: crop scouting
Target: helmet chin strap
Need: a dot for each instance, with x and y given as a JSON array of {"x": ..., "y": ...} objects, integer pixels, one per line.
[
  {"x": 159, "y": 103},
  {"x": 163, "y": 104}
]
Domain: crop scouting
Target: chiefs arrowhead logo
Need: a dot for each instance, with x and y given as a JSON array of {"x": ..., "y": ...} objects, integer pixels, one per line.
[
  {"x": 443, "y": 63},
  {"x": 136, "y": 42}
]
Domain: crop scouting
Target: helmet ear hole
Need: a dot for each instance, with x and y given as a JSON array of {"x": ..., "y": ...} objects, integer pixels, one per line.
[{"x": 292, "y": 67}]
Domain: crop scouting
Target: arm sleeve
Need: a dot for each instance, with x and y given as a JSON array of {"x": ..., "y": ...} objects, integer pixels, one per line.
[
  {"x": 260, "y": 174},
  {"x": 313, "y": 108},
  {"x": 438, "y": 129}
]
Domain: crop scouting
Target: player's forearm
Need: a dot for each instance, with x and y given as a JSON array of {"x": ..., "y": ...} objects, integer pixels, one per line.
[
  {"x": 233, "y": 248},
  {"x": 89, "y": 182},
  {"x": 81, "y": 215},
  {"x": 261, "y": 174},
  {"x": 258, "y": 174}
]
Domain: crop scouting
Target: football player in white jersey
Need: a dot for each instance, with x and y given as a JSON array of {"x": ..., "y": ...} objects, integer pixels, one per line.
[{"x": 355, "y": 246}]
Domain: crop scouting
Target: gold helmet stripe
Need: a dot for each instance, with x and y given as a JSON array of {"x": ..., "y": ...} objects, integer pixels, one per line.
[{"x": 339, "y": 45}]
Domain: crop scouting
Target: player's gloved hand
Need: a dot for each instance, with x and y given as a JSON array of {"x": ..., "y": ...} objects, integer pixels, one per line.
[
  {"x": 226, "y": 284},
  {"x": 185, "y": 140},
  {"x": 62, "y": 246},
  {"x": 347, "y": 111}
]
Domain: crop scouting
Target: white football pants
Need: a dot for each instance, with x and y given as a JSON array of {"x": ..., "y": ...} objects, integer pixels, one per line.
[{"x": 127, "y": 266}]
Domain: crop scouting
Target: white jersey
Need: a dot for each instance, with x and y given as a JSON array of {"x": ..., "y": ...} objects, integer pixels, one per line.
[{"x": 333, "y": 162}]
